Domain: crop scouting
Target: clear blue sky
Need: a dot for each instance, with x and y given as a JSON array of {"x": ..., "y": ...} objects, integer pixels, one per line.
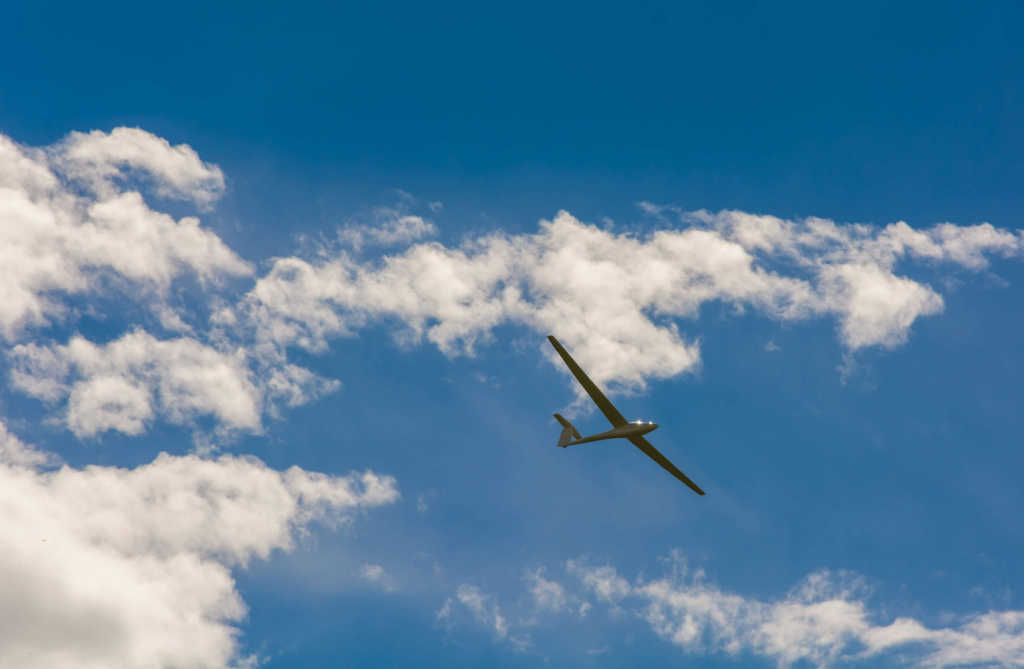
[{"x": 898, "y": 464}]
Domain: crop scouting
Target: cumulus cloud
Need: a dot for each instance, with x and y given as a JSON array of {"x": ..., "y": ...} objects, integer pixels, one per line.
[
  {"x": 875, "y": 307},
  {"x": 132, "y": 567},
  {"x": 826, "y": 619},
  {"x": 127, "y": 383},
  {"x": 70, "y": 218},
  {"x": 100, "y": 160},
  {"x": 620, "y": 300}
]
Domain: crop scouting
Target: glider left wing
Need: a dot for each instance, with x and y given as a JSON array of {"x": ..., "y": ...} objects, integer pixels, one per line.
[{"x": 606, "y": 407}]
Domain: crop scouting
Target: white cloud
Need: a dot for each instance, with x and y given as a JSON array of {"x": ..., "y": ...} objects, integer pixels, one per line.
[
  {"x": 480, "y": 605},
  {"x": 57, "y": 239},
  {"x": 71, "y": 223},
  {"x": 293, "y": 385},
  {"x": 615, "y": 299},
  {"x": 603, "y": 581},
  {"x": 125, "y": 384},
  {"x": 825, "y": 620},
  {"x": 390, "y": 226},
  {"x": 305, "y": 304},
  {"x": 816, "y": 241},
  {"x": 72, "y": 219},
  {"x": 15, "y": 452},
  {"x": 876, "y": 307},
  {"x": 621, "y": 303},
  {"x": 131, "y": 567},
  {"x": 122, "y": 233},
  {"x": 546, "y": 594},
  {"x": 376, "y": 574},
  {"x": 102, "y": 159}
]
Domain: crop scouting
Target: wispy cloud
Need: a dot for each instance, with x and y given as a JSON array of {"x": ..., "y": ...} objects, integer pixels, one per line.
[
  {"x": 824, "y": 620},
  {"x": 390, "y": 226},
  {"x": 547, "y": 594},
  {"x": 484, "y": 609},
  {"x": 376, "y": 574}
]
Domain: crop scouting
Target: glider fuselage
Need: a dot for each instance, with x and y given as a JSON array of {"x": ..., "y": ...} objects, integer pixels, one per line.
[{"x": 634, "y": 429}]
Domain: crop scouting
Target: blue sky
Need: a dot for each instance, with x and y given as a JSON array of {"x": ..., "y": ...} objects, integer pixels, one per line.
[{"x": 334, "y": 237}]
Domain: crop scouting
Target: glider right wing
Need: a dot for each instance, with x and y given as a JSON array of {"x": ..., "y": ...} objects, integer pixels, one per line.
[
  {"x": 606, "y": 407},
  {"x": 655, "y": 455}
]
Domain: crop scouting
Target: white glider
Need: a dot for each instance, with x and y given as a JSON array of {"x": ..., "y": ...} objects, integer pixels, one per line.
[{"x": 621, "y": 428}]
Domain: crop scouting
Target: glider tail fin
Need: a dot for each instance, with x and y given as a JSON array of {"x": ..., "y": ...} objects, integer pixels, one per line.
[{"x": 569, "y": 433}]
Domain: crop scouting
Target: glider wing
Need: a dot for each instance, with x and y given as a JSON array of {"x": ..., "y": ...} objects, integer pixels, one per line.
[
  {"x": 655, "y": 455},
  {"x": 606, "y": 407}
]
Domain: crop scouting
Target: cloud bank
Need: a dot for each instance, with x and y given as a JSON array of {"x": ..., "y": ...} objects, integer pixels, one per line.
[
  {"x": 620, "y": 300},
  {"x": 76, "y": 218},
  {"x": 625, "y": 303},
  {"x": 826, "y": 620}
]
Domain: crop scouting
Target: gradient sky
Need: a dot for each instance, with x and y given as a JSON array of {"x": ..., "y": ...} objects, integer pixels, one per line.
[{"x": 791, "y": 236}]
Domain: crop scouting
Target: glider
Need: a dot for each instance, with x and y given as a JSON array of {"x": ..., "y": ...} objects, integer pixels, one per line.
[{"x": 621, "y": 428}]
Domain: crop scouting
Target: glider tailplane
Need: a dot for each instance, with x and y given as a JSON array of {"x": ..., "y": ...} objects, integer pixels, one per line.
[{"x": 569, "y": 433}]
